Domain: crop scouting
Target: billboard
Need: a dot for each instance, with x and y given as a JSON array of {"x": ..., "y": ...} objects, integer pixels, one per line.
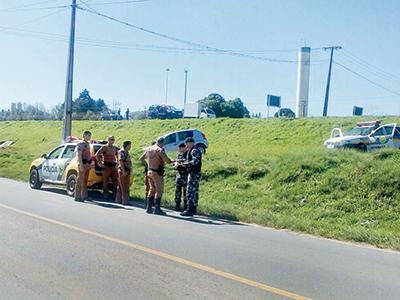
[
  {"x": 273, "y": 100},
  {"x": 357, "y": 111}
]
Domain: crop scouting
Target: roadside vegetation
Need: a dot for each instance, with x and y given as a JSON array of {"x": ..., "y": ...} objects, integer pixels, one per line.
[{"x": 270, "y": 172}]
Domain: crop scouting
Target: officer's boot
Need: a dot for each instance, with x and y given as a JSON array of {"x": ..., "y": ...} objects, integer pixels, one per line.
[
  {"x": 149, "y": 206},
  {"x": 157, "y": 210},
  {"x": 189, "y": 211},
  {"x": 177, "y": 206},
  {"x": 185, "y": 205},
  {"x": 195, "y": 210}
]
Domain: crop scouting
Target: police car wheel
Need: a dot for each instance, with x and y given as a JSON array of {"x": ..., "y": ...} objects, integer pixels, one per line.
[
  {"x": 71, "y": 182},
  {"x": 362, "y": 147},
  {"x": 202, "y": 148},
  {"x": 34, "y": 181}
]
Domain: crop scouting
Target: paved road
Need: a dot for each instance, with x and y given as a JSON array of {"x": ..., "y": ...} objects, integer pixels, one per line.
[{"x": 54, "y": 248}]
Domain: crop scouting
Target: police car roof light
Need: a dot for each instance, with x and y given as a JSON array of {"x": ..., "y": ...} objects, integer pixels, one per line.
[{"x": 371, "y": 123}]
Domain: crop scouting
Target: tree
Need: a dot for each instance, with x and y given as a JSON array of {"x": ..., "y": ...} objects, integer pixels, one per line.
[
  {"x": 235, "y": 109},
  {"x": 101, "y": 105},
  {"x": 222, "y": 108},
  {"x": 84, "y": 103},
  {"x": 57, "y": 111},
  {"x": 86, "y": 107},
  {"x": 214, "y": 101}
]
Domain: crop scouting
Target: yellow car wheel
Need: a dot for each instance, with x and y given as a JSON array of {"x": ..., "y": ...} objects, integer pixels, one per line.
[
  {"x": 71, "y": 183},
  {"x": 34, "y": 181}
]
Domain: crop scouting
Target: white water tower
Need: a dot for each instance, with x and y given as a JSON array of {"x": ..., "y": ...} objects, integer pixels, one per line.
[{"x": 303, "y": 82}]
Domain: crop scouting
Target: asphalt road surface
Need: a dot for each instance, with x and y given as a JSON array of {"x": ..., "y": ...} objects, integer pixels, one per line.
[{"x": 54, "y": 248}]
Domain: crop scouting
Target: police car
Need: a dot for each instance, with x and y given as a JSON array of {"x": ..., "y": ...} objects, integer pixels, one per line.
[
  {"x": 366, "y": 136},
  {"x": 60, "y": 167}
]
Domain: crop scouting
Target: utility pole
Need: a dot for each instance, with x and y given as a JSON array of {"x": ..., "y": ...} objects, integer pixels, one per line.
[
  {"x": 328, "y": 82},
  {"x": 70, "y": 75},
  {"x": 184, "y": 98},
  {"x": 166, "y": 85}
]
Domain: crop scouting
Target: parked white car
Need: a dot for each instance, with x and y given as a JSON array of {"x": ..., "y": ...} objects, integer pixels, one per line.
[
  {"x": 173, "y": 139},
  {"x": 207, "y": 113},
  {"x": 366, "y": 137}
]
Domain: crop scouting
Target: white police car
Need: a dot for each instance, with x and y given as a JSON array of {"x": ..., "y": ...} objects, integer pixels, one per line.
[{"x": 365, "y": 136}]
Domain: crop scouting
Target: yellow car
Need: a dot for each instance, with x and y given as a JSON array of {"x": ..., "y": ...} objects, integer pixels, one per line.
[{"x": 60, "y": 167}]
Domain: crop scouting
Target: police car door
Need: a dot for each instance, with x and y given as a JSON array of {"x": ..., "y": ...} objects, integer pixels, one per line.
[
  {"x": 382, "y": 137},
  {"x": 49, "y": 169},
  {"x": 396, "y": 137},
  {"x": 64, "y": 160},
  {"x": 390, "y": 130}
]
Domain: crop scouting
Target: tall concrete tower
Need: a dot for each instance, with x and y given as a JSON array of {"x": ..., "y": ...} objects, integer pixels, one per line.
[{"x": 303, "y": 82}]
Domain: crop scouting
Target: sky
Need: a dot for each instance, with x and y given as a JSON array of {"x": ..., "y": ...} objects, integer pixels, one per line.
[{"x": 125, "y": 65}]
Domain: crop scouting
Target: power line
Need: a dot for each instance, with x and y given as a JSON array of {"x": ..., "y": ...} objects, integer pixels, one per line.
[
  {"x": 27, "y": 5},
  {"x": 37, "y": 8},
  {"x": 119, "y": 2},
  {"x": 179, "y": 40},
  {"x": 35, "y": 19},
  {"x": 370, "y": 65},
  {"x": 107, "y": 43},
  {"x": 367, "y": 79},
  {"x": 369, "y": 69}
]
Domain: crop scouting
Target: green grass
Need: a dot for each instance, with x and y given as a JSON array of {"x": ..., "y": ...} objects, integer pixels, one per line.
[{"x": 269, "y": 172}]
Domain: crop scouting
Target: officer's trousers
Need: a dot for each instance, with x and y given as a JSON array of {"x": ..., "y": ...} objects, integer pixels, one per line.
[
  {"x": 107, "y": 173},
  {"x": 192, "y": 191},
  {"x": 123, "y": 188},
  {"x": 146, "y": 183},
  {"x": 156, "y": 183},
  {"x": 81, "y": 190},
  {"x": 180, "y": 186}
]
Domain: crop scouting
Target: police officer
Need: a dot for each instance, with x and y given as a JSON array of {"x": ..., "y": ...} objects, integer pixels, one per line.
[
  {"x": 142, "y": 159},
  {"x": 107, "y": 157},
  {"x": 193, "y": 165},
  {"x": 156, "y": 158},
  {"x": 84, "y": 160},
  {"x": 124, "y": 173},
  {"x": 181, "y": 179}
]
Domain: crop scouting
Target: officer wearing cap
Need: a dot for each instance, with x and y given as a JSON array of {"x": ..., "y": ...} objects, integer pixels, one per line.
[
  {"x": 180, "y": 178},
  {"x": 193, "y": 165},
  {"x": 84, "y": 160},
  {"x": 124, "y": 173},
  {"x": 107, "y": 157},
  {"x": 155, "y": 159}
]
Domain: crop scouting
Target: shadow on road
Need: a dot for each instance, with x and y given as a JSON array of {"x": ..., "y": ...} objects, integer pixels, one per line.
[
  {"x": 96, "y": 198},
  {"x": 204, "y": 220}
]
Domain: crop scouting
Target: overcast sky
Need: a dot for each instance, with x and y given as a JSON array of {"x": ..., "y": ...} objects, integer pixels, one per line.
[{"x": 33, "y": 65}]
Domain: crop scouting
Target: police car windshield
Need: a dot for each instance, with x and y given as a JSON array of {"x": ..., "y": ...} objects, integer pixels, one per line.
[{"x": 360, "y": 131}]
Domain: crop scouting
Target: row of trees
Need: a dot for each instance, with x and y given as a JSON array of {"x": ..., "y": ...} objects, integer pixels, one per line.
[
  {"x": 83, "y": 108},
  {"x": 28, "y": 112},
  {"x": 87, "y": 108}
]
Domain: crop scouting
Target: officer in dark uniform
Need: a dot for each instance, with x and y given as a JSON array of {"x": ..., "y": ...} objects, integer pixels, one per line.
[
  {"x": 193, "y": 165},
  {"x": 181, "y": 179}
]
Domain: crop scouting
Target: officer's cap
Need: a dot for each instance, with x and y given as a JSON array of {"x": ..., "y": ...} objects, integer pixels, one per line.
[
  {"x": 182, "y": 145},
  {"x": 189, "y": 140}
]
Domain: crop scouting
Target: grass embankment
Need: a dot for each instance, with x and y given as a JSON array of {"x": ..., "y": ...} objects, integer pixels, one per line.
[{"x": 270, "y": 172}]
